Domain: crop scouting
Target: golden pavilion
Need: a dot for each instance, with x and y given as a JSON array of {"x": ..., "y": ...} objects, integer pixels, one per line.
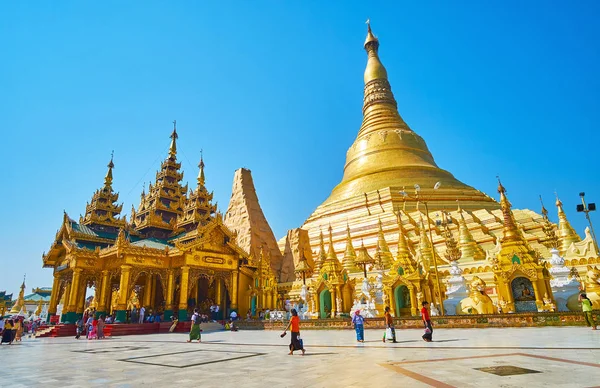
[
  {"x": 174, "y": 254},
  {"x": 397, "y": 230}
]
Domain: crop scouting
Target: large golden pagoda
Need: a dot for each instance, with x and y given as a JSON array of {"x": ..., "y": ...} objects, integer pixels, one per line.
[{"x": 389, "y": 199}]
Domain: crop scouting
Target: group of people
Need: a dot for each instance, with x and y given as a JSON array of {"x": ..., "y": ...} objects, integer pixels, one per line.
[
  {"x": 90, "y": 326},
  {"x": 11, "y": 329},
  {"x": 358, "y": 321}
]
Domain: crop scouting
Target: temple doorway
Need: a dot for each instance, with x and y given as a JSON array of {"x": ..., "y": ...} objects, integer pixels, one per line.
[
  {"x": 523, "y": 295},
  {"x": 402, "y": 299},
  {"x": 204, "y": 296},
  {"x": 325, "y": 304},
  {"x": 253, "y": 305}
]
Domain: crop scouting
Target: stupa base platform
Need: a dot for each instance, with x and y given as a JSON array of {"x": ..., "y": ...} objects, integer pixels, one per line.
[{"x": 450, "y": 321}]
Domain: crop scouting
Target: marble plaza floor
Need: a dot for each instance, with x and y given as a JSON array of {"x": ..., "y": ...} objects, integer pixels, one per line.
[{"x": 511, "y": 357}]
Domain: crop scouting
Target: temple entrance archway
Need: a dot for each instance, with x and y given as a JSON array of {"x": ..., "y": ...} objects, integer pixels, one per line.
[
  {"x": 402, "y": 299},
  {"x": 325, "y": 304},
  {"x": 523, "y": 295}
]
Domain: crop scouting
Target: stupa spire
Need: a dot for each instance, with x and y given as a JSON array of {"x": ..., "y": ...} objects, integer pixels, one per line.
[
  {"x": 467, "y": 244},
  {"x": 349, "y": 261},
  {"x": 109, "y": 175},
  {"x": 103, "y": 208},
  {"x": 510, "y": 229},
  {"x": 566, "y": 233},
  {"x": 173, "y": 146},
  {"x": 383, "y": 256},
  {"x": 425, "y": 247},
  {"x": 387, "y": 153},
  {"x": 322, "y": 255},
  {"x": 201, "y": 178}
]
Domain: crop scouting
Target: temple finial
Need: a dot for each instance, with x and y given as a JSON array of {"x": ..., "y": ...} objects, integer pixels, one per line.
[
  {"x": 174, "y": 136},
  {"x": 544, "y": 210},
  {"x": 511, "y": 231},
  {"x": 109, "y": 175},
  {"x": 201, "y": 178},
  {"x": 566, "y": 233}
]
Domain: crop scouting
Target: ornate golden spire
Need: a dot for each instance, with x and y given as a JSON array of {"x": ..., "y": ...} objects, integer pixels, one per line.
[
  {"x": 510, "y": 229},
  {"x": 103, "y": 208},
  {"x": 387, "y": 153},
  {"x": 566, "y": 233},
  {"x": 158, "y": 210},
  {"x": 173, "y": 146},
  {"x": 364, "y": 259},
  {"x": 201, "y": 178},
  {"x": 383, "y": 256},
  {"x": 20, "y": 303},
  {"x": 322, "y": 255},
  {"x": 467, "y": 244},
  {"x": 332, "y": 262},
  {"x": 349, "y": 261},
  {"x": 374, "y": 69},
  {"x": 425, "y": 248},
  {"x": 109, "y": 175},
  {"x": 404, "y": 255}
]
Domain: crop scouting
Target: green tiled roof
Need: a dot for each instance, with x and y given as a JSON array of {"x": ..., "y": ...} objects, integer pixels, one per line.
[
  {"x": 152, "y": 243},
  {"x": 37, "y": 298}
]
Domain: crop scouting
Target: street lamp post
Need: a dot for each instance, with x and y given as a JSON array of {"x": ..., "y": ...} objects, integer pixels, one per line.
[
  {"x": 419, "y": 199},
  {"x": 587, "y": 208}
]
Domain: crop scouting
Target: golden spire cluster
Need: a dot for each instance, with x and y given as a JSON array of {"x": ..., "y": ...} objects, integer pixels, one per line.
[
  {"x": 103, "y": 208},
  {"x": 159, "y": 208}
]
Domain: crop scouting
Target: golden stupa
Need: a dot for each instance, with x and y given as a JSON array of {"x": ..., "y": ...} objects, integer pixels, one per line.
[
  {"x": 392, "y": 198},
  {"x": 388, "y": 155}
]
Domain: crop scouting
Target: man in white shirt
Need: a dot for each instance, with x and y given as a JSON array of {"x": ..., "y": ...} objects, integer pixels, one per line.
[
  {"x": 216, "y": 312},
  {"x": 142, "y": 312},
  {"x": 233, "y": 315}
]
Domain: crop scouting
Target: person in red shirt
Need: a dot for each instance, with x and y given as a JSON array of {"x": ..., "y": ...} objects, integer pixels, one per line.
[
  {"x": 296, "y": 343},
  {"x": 427, "y": 337}
]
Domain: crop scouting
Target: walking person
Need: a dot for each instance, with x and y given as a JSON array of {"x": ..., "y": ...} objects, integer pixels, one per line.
[
  {"x": 359, "y": 325},
  {"x": 428, "y": 336},
  {"x": 195, "y": 330},
  {"x": 7, "y": 334},
  {"x": 586, "y": 306},
  {"x": 296, "y": 342},
  {"x": 18, "y": 329},
  {"x": 78, "y": 328},
  {"x": 100, "y": 327},
  {"x": 389, "y": 324}
]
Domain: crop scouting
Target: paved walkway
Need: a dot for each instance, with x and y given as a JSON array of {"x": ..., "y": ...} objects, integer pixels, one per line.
[{"x": 511, "y": 357}]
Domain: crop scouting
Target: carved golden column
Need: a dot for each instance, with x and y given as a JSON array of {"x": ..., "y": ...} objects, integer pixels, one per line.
[
  {"x": 54, "y": 297},
  {"x": 147, "y": 291},
  {"x": 169, "y": 295},
  {"x": 153, "y": 280},
  {"x": 104, "y": 285},
  {"x": 536, "y": 291},
  {"x": 219, "y": 295},
  {"x": 234, "y": 290},
  {"x": 183, "y": 292},
  {"x": 71, "y": 316},
  {"x": 413, "y": 302},
  {"x": 332, "y": 294},
  {"x": 121, "y": 315}
]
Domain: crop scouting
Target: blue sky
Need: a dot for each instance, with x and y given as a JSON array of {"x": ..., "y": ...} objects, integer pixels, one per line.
[{"x": 509, "y": 88}]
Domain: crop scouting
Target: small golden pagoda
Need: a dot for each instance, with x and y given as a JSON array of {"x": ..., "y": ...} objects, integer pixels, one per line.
[{"x": 175, "y": 254}]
